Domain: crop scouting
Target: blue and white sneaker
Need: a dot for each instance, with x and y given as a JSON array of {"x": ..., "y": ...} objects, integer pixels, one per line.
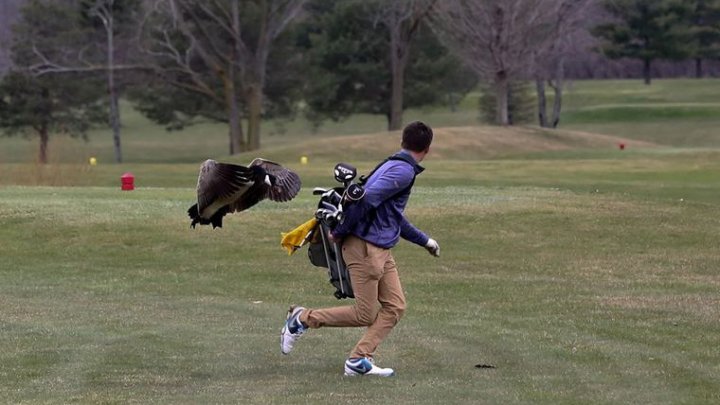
[
  {"x": 292, "y": 330},
  {"x": 364, "y": 366}
]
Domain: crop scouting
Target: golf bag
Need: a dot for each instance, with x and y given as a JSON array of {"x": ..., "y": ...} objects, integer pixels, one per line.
[{"x": 322, "y": 252}]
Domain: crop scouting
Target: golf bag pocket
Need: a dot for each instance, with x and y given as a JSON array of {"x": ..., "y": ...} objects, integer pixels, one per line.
[
  {"x": 326, "y": 254},
  {"x": 316, "y": 253}
]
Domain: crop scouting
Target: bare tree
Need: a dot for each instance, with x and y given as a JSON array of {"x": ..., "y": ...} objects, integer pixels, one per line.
[
  {"x": 215, "y": 39},
  {"x": 103, "y": 9},
  {"x": 498, "y": 39},
  {"x": 83, "y": 53},
  {"x": 568, "y": 25},
  {"x": 402, "y": 19},
  {"x": 9, "y": 13}
]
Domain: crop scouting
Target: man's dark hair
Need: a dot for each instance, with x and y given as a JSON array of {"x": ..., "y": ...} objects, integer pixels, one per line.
[{"x": 416, "y": 137}]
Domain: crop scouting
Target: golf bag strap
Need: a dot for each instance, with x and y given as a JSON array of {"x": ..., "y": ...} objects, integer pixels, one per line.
[
  {"x": 372, "y": 214},
  {"x": 397, "y": 156}
]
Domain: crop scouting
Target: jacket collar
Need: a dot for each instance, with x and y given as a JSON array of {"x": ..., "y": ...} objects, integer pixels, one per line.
[{"x": 406, "y": 156}]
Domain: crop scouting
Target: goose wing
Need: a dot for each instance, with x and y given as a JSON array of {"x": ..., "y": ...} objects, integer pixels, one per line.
[
  {"x": 219, "y": 183},
  {"x": 287, "y": 183}
]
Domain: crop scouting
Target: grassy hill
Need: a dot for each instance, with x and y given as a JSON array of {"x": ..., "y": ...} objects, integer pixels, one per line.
[
  {"x": 670, "y": 113},
  {"x": 463, "y": 143},
  {"x": 679, "y": 113},
  {"x": 451, "y": 143},
  {"x": 146, "y": 143}
]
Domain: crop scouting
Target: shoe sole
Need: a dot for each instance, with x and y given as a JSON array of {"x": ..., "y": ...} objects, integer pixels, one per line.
[
  {"x": 284, "y": 330},
  {"x": 352, "y": 373},
  {"x": 364, "y": 375}
]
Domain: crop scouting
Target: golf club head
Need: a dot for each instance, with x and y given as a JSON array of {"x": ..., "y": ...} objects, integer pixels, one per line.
[
  {"x": 332, "y": 196},
  {"x": 355, "y": 192},
  {"x": 344, "y": 173},
  {"x": 329, "y": 216}
]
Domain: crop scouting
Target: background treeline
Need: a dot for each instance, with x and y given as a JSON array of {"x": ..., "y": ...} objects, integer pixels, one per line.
[
  {"x": 65, "y": 64},
  {"x": 584, "y": 64}
]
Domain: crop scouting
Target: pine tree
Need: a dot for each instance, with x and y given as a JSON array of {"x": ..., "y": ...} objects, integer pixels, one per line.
[
  {"x": 45, "y": 105},
  {"x": 704, "y": 21},
  {"x": 645, "y": 30},
  {"x": 348, "y": 55}
]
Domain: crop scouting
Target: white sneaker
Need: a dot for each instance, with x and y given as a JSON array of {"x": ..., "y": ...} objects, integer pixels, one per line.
[
  {"x": 292, "y": 329},
  {"x": 365, "y": 366}
]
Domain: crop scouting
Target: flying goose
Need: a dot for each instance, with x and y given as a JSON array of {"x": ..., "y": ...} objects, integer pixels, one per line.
[{"x": 224, "y": 188}]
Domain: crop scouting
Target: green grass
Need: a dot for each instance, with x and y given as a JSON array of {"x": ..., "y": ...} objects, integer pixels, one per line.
[
  {"x": 575, "y": 294},
  {"x": 583, "y": 94},
  {"x": 645, "y": 113},
  {"x": 679, "y": 112},
  {"x": 585, "y": 274}
]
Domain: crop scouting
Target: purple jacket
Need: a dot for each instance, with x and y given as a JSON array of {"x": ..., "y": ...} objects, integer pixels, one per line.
[{"x": 378, "y": 218}]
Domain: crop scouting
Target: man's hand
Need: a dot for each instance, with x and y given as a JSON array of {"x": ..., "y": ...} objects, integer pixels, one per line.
[{"x": 433, "y": 247}]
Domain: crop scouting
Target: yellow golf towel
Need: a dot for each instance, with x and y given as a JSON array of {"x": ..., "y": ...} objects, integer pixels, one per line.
[{"x": 295, "y": 239}]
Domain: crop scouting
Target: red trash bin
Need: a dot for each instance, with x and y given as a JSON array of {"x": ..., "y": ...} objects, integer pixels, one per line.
[{"x": 128, "y": 181}]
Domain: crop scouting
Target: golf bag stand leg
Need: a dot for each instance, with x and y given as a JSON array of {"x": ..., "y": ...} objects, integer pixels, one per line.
[{"x": 337, "y": 271}]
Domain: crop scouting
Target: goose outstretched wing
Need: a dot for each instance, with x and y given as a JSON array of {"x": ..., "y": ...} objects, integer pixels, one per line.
[
  {"x": 221, "y": 183},
  {"x": 287, "y": 183}
]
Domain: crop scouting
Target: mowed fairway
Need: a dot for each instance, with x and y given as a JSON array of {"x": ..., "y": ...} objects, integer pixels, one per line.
[
  {"x": 581, "y": 273},
  {"x": 576, "y": 289}
]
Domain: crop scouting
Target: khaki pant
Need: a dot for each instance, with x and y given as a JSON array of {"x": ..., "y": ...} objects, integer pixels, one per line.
[{"x": 375, "y": 281}]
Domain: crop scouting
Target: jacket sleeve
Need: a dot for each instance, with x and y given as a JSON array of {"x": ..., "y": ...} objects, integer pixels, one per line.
[{"x": 410, "y": 233}]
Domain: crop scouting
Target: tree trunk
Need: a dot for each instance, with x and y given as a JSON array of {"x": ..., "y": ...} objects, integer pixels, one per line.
[
  {"x": 453, "y": 100},
  {"x": 235, "y": 132},
  {"x": 542, "y": 102},
  {"x": 115, "y": 120},
  {"x": 402, "y": 19},
  {"x": 698, "y": 68},
  {"x": 646, "y": 71},
  {"x": 398, "y": 61},
  {"x": 557, "y": 103},
  {"x": 235, "y": 135},
  {"x": 254, "y": 103},
  {"x": 42, "y": 153},
  {"x": 237, "y": 143},
  {"x": 114, "y": 106},
  {"x": 558, "y": 87},
  {"x": 232, "y": 109},
  {"x": 501, "y": 99},
  {"x": 396, "y": 101}
]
